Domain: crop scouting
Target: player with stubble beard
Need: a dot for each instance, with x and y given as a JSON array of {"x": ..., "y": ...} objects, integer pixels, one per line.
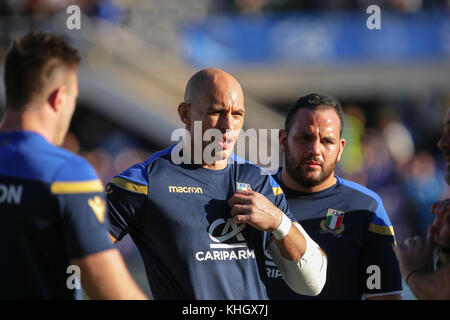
[{"x": 347, "y": 220}]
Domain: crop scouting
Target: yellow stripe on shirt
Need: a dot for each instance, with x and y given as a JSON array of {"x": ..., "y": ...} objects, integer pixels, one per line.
[
  {"x": 64, "y": 187},
  {"x": 277, "y": 190},
  {"x": 384, "y": 230},
  {"x": 130, "y": 185}
]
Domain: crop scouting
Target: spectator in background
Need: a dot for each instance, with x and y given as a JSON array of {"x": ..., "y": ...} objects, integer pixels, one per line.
[
  {"x": 422, "y": 188},
  {"x": 416, "y": 254}
]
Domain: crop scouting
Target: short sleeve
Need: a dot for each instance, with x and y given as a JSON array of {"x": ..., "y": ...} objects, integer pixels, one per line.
[
  {"x": 80, "y": 197},
  {"x": 380, "y": 265},
  {"x": 126, "y": 194}
]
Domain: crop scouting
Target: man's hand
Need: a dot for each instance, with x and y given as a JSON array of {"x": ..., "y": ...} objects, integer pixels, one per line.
[
  {"x": 441, "y": 225},
  {"x": 255, "y": 209},
  {"x": 415, "y": 254}
]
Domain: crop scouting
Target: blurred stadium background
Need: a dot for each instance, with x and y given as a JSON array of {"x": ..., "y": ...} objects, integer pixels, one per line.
[{"x": 138, "y": 54}]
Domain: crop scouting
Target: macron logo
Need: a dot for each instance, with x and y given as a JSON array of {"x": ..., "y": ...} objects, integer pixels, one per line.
[{"x": 185, "y": 189}]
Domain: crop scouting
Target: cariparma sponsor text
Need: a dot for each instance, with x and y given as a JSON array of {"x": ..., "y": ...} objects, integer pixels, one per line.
[{"x": 225, "y": 254}]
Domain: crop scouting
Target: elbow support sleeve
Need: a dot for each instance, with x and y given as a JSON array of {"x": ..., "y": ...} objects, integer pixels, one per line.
[{"x": 306, "y": 276}]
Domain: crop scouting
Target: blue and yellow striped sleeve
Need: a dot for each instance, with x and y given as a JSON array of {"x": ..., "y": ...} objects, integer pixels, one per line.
[
  {"x": 80, "y": 197},
  {"x": 379, "y": 255},
  {"x": 126, "y": 193}
]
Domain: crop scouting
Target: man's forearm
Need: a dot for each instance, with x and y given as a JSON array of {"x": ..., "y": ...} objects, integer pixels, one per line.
[
  {"x": 293, "y": 245},
  {"x": 431, "y": 285},
  {"x": 300, "y": 260}
]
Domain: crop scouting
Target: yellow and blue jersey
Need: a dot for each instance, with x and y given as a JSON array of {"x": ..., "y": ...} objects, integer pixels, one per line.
[
  {"x": 350, "y": 223},
  {"x": 180, "y": 221},
  {"x": 53, "y": 210}
]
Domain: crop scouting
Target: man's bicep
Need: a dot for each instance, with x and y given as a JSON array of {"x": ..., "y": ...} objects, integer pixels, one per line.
[
  {"x": 381, "y": 272},
  {"x": 84, "y": 223},
  {"x": 123, "y": 206}
]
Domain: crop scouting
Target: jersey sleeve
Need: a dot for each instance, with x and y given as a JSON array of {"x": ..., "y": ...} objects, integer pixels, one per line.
[
  {"x": 380, "y": 265},
  {"x": 126, "y": 194},
  {"x": 80, "y": 197}
]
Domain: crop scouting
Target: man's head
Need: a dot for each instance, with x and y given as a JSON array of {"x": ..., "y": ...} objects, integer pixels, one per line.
[
  {"x": 41, "y": 76},
  {"x": 444, "y": 144},
  {"x": 215, "y": 98},
  {"x": 312, "y": 142}
]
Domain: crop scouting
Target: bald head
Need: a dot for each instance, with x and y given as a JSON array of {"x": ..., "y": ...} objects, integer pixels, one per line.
[
  {"x": 212, "y": 84},
  {"x": 215, "y": 99}
]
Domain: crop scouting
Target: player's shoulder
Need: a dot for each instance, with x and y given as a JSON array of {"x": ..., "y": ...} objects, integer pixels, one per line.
[
  {"x": 35, "y": 158},
  {"x": 73, "y": 167},
  {"x": 74, "y": 174},
  {"x": 136, "y": 177},
  {"x": 360, "y": 193},
  {"x": 368, "y": 199}
]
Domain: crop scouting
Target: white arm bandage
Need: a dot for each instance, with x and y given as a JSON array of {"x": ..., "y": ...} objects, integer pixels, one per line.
[{"x": 306, "y": 276}]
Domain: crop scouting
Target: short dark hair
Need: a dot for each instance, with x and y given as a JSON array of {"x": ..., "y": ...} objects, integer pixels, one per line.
[
  {"x": 30, "y": 62},
  {"x": 314, "y": 101}
]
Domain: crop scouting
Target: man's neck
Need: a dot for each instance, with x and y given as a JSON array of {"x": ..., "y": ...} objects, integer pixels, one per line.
[
  {"x": 288, "y": 181},
  {"x": 25, "y": 121},
  {"x": 216, "y": 165}
]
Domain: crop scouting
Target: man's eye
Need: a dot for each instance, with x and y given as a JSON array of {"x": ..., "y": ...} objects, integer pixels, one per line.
[{"x": 302, "y": 138}]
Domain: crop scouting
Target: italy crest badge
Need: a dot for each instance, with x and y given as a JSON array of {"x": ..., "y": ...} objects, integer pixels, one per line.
[
  {"x": 243, "y": 186},
  {"x": 333, "y": 222}
]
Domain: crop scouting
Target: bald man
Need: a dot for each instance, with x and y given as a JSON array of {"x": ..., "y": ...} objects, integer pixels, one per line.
[{"x": 202, "y": 225}]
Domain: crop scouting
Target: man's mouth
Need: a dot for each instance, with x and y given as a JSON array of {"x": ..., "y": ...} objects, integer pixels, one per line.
[
  {"x": 312, "y": 164},
  {"x": 226, "y": 143}
]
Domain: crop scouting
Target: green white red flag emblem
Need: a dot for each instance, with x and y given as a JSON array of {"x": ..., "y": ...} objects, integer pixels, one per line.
[
  {"x": 243, "y": 186},
  {"x": 334, "y": 219}
]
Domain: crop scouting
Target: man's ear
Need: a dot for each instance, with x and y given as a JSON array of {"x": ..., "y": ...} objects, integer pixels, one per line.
[
  {"x": 342, "y": 145},
  {"x": 184, "y": 111},
  {"x": 56, "y": 98},
  {"x": 282, "y": 137}
]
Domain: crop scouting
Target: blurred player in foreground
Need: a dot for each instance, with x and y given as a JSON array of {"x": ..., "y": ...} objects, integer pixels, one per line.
[
  {"x": 51, "y": 201},
  {"x": 347, "y": 220},
  {"x": 416, "y": 254},
  {"x": 202, "y": 227}
]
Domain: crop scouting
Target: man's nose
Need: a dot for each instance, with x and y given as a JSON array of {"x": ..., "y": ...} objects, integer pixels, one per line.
[
  {"x": 315, "y": 147},
  {"x": 444, "y": 142},
  {"x": 225, "y": 122}
]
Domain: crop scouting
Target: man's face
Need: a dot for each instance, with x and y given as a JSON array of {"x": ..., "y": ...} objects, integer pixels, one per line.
[
  {"x": 223, "y": 109},
  {"x": 444, "y": 145},
  {"x": 68, "y": 103},
  {"x": 313, "y": 147}
]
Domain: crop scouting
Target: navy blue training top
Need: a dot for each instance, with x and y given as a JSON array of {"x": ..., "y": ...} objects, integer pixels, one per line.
[
  {"x": 180, "y": 221},
  {"x": 53, "y": 209},
  {"x": 348, "y": 222}
]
